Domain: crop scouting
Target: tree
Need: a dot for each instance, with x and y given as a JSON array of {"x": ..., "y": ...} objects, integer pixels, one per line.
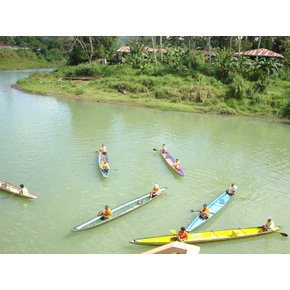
[
  {"x": 153, "y": 46},
  {"x": 259, "y": 43},
  {"x": 95, "y": 46}
]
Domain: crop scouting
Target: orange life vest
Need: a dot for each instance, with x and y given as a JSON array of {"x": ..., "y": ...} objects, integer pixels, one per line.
[
  {"x": 108, "y": 213},
  {"x": 182, "y": 235}
]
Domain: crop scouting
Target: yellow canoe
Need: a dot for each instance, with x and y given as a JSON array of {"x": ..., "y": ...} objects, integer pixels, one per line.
[{"x": 204, "y": 237}]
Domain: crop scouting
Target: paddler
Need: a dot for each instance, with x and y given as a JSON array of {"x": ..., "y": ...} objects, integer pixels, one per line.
[
  {"x": 204, "y": 212},
  {"x": 103, "y": 149},
  {"x": 155, "y": 191},
  {"x": 163, "y": 149},
  {"x": 232, "y": 189},
  {"x": 182, "y": 235},
  {"x": 105, "y": 166},
  {"x": 269, "y": 225},
  {"x": 176, "y": 164},
  {"x": 24, "y": 190},
  {"x": 106, "y": 214}
]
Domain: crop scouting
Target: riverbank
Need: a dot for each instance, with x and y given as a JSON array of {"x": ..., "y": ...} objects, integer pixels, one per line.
[
  {"x": 121, "y": 84},
  {"x": 23, "y": 59}
]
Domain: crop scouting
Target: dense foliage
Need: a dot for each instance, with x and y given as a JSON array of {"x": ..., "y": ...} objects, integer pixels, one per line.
[{"x": 202, "y": 70}]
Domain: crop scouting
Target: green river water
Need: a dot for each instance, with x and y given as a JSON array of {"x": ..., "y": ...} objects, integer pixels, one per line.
[{"x": 49, "y": 144}]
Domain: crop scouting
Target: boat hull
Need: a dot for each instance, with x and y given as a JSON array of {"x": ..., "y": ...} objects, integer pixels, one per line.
[
  {"x": 214, "y": 207},
  {"x": 119, "y": 211},
  {"x": 169, "y": 160},
  {"x": 206, "y": 237},
  {"x": 5, "y": 186}
]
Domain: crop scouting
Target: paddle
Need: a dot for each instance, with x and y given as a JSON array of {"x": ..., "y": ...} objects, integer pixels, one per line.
[
  {"x": 173, "y": 232},
  {"x": 155, "y": 149},
  {"x": 199, "y": 211},
  {"x": 8, "y": 196},
  {"x": 194, "y": 210},
  {"x": 282, "y": 234}
]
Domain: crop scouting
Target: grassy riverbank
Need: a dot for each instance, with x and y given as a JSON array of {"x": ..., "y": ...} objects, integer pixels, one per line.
[
  {"x": 160, "y": 89},
  {"x": 23, "y": 59}
]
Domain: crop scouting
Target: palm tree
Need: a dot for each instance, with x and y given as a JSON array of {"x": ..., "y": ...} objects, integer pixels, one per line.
[
  {"x": 259, "y": 43},
  {"x": 240, "y": 40},
  {"x": 209, "y": 49},
  {"x": 161, "y": 53},
  {"x": 154, "y": 50}
]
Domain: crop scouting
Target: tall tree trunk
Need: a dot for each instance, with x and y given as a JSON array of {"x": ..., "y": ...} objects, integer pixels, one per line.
[
  {"x": 161, "y": 52},
  {"x": 88, "y": 52},
  {"x": 240, "y": 40},
  {"x": 231, "y": 41},
  {"x": 154, "y": 50},
  {"x": 209, "y": 49},
  {"x": 92, "y": 49},
  {"x": 259, "y": 43}
]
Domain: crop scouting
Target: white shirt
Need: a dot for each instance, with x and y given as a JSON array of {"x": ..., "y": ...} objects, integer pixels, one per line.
[
  {"x": 270, "y": 225},
  {"x": 233, "y": 189},
  {"x": 24, "y": 191}
]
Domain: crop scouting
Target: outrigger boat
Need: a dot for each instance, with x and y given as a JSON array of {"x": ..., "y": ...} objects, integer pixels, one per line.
[
  {"x": 5, "y": 186},
  {"x": 119, "y": 211},
  {"x": 214, "y": 207},
  {"x": 170, "y": 161},
  {"x": 205, "y": 237}
]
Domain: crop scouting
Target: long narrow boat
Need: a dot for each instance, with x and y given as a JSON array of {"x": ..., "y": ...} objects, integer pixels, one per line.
[
  {"x": 5, "y": 186},
  {"x": 101, "y": 158},
  {"x": 214, "y": 207},
  {"x": 118, "y": 211},
  {"x": 170, "y": 161},
  {"x": 205, "y": 237}
]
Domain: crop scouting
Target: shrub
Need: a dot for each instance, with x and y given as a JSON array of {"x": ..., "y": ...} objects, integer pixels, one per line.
[
  {"x": 286, "y": 111},
  {"x": 239, "y": 88},
  {"x": 164, "y": 93},
  {"x": 79, "y": 91},
  {"x": 132, "y": 87}
]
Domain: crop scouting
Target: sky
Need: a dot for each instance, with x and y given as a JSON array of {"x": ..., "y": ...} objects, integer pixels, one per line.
[{"x": 150, "y": 17}]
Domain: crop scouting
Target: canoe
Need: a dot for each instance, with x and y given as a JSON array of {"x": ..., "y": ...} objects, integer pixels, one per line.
[
  {"x": 214, "y": 207},
  {"x": 102, "y": 157},
  {"x": 205, "y": 237},
  {"x": 169, "y": 161},
  {"x": 119, "y": 211},
  {"x": 5, "y": 186}
]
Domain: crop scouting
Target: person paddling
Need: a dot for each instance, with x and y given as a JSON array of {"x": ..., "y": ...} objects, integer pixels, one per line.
[
  {"x": 105, "y": 166},
  {"x": 24, "y": 190},
  {"x": 103, "y": 149},
  {"x": 176, "y": 164},
  {"x": 204, "y": 212},
  {"x": 269, "y": 225},
  {"x": 232, "y": 189},
  {"x": 163, "y": 149},
  {"x": 155, "y": 191},
  {"x": 182, "y": 235},
  {"x": 106, "y": 214}
]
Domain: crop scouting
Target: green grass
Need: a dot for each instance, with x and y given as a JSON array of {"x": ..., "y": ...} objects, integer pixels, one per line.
[
  {"x": 167, "y": 92},
  {"x": 22, "y": 59}
]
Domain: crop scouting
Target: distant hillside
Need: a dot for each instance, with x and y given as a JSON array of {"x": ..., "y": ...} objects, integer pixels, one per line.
[{"x": 22, "y": 59}]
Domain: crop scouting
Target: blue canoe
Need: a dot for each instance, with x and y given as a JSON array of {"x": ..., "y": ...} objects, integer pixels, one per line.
[
  {"x": 213, "y": 207},
  {"x": 100, "y": 161}
]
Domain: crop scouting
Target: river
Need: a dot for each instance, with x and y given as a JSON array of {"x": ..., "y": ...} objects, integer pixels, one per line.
[{"x": 49, "y": 144}]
